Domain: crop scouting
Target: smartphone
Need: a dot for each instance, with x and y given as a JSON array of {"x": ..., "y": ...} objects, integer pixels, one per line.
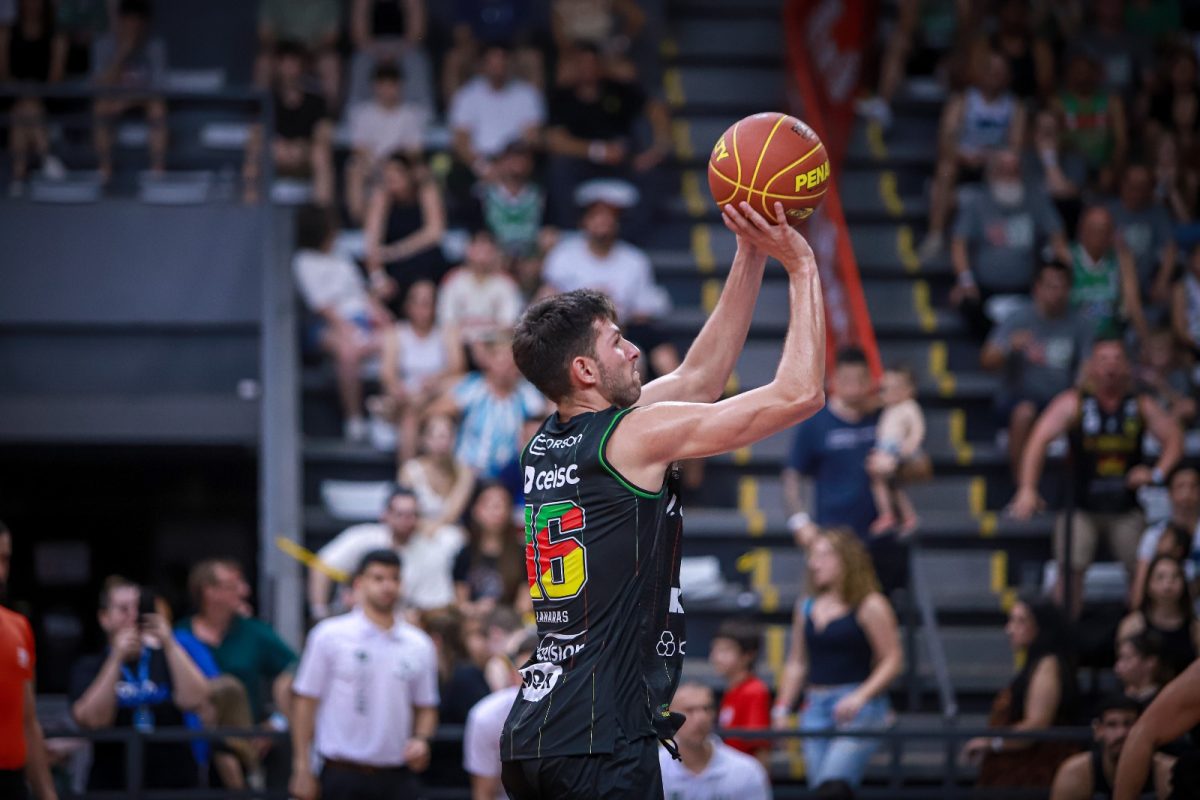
[{"x": 148, "y": 602}]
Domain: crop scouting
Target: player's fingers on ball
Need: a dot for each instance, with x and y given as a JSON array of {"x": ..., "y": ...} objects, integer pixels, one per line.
[
  {"x": 754, "y": 217},
  {"x": 780, "y": 217}
]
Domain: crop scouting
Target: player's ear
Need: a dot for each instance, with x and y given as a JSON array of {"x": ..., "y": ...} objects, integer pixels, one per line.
[{"x": 584, "y": 371}]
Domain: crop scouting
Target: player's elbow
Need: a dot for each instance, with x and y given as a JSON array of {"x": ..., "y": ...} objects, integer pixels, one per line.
[{"x": 804, "y": 404}]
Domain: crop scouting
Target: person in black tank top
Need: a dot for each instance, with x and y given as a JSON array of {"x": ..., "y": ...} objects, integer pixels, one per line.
[
  {"x": 845, "y": 654},
  {"x": 36, "y": 54},
  {"x": 1166, "y": 610},
  {"x": 1104, "y": 421},
  {"x": 603, "y": 522},
  {"x": 1090, "y": 775}
]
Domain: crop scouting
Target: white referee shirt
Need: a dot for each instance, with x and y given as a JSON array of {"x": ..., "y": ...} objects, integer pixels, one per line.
[
  {"x": 481, "y": 740},
  {"x": 730, "y": 775},
  {"x": 366, "y": 681}
]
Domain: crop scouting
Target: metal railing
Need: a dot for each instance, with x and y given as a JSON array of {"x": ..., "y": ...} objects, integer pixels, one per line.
[
  {"x": 932, "y": 639},
  {"x": 952, "y": 786}
]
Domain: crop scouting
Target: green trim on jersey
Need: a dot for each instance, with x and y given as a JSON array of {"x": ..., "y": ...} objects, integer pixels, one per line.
[{"x": 612, "y": 471}]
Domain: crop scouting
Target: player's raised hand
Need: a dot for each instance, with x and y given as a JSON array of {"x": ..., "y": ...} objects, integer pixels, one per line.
[{"x": 778, "y": 239}]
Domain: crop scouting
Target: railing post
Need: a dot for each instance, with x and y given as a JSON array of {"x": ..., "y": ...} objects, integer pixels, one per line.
[{"x": 135, "y": 762}]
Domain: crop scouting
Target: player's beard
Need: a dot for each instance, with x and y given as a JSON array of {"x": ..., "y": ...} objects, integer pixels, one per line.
[{"x": 621, "y": 391}]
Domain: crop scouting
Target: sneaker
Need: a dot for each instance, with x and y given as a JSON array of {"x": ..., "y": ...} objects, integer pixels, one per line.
[
  {"x": 52, "y": 168},
  {"x": 875, "y": 109},
  {"x": 931, "y": 247},
  {"x": 356, "y": 430}
]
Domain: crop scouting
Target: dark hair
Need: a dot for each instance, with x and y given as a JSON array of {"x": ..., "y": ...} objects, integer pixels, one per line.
[
  {"x": 388, "y": 558},
  {"x": 1052, "y": 265},
  {"x": 1180, "y": 537},
  {"x": 746, "y": 635},
  {"x": 555, "y": 331},
  {"x": 495, "y": 44},
  {"x": 111, "y": 584},
  {"x": 850, "y": 355},
  {"x": 1185, "y": 599},
  {"x": 510, "y": 564},
  {"x": 527, "y": 644},
  {"x": 398, "y": 491},
  {"x": 287, "y": 48},
  {"x": 1053, "y": 639},
  {"x": 1150, "y": 644},
  {"x": 314, "y": 226},
  {"x": 133, "y": 8},
  {"x": 387, "y": 71},
  {"x": 1116, "y": 702},
  {"x": 4, "y": 529},
  {"x": 1176, "y": 471}
]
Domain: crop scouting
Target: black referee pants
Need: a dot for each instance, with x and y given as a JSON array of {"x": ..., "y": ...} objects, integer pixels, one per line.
[
  {"x": 342, "y": 783},
  {"x": 630, "y": 772}
]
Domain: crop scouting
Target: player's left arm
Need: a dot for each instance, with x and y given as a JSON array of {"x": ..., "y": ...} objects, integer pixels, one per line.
[
  {"x": 37, "y": 767},
  {"x": 702, "y": 376}
]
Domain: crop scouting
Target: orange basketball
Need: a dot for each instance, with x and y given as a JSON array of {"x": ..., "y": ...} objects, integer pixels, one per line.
[{"x": 768, "y": 158}]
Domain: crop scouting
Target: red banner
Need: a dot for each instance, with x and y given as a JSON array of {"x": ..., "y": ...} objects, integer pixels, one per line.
[{"x": 825, "y": 44}]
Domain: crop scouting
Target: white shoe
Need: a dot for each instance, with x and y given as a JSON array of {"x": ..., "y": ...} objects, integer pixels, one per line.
[
  {"x": 356, "y": 430},
  {"x": 52, "y": 168},
  {"x": 875, "y": 109}
]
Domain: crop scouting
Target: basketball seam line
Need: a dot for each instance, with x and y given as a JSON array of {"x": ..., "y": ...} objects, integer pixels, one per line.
[
  {"x": 800, "y": 160},
  {"x": 739, "y": 187},
  {"x": 761, "y": 154},
  {"x": 736, "y": 160}
]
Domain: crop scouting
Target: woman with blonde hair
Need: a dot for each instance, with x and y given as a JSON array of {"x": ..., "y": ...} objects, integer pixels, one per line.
[{"x": 845, "y": 653}]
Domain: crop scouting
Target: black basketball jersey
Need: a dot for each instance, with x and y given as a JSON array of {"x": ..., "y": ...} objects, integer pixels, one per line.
[
  {"x": 602, "y": 557},
  {"x": 1106, "y": 446}
]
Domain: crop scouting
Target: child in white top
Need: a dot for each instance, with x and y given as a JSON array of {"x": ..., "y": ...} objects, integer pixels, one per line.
[{"x": 898, "y": 439}]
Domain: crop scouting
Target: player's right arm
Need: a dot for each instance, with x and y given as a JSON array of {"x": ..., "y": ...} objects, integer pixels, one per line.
[
  {"x": 654, "y": 436},
  {"x": 1053, "y": 423}
]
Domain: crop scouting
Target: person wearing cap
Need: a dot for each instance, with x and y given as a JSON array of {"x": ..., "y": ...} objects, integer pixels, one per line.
[
  {"x": 366, "y": 696},
  {"x": 481, "y": 739}
]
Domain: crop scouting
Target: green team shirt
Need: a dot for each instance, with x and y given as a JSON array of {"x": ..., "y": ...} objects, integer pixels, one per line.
[
  {"x": 1096, "y": 290},
  {"x": 602, "y": 558}
]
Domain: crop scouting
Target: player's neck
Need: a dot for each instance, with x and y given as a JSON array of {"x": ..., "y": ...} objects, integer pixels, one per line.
[
  {"x": 696, "y": 756},
  {"x": 738, "y": 677},
  {"x": 381, "y": 619},
  {"x": 583, "y": 403}
]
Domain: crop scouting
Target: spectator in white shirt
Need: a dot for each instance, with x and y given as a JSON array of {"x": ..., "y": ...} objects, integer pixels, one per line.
[
  {"x": 349, "y": 319},
  {"x": 385, "y": 124},
  {"x": 428, "y": 555},
  {"x": 366, "y": 696},
  {"x": 708, "y": 768},
  {"x": 478, "y": 299},
  {"x": 486, "y": 114},
  {"x": 481, "y": 739},
  {"x": 599, "y": 259},
  {"x": 1183, "y": 485}
]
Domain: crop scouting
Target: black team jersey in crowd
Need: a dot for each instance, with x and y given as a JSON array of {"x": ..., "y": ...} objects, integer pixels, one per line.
[{"x": 603, "y": 562}]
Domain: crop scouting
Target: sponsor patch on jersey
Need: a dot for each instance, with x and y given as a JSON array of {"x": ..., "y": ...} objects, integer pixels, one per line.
[
  {"x": 538, "y": 680},
  {"x": 559, "y": 647},
  {"x": 553, "y": 478},
  {"x": 541, "y": 443}
]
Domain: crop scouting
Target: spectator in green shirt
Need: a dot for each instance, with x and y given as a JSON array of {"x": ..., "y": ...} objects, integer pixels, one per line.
[{"x": 244, "y": 647}]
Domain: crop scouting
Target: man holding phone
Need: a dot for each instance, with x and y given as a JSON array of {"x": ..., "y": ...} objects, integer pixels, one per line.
[{"x": 143, "y": 679}]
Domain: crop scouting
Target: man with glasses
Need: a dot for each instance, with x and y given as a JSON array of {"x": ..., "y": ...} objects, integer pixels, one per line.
[{"x": 427, "y": 554}]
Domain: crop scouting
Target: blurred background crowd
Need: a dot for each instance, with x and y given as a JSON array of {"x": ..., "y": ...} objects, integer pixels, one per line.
[{"x": 444, "y": 165}]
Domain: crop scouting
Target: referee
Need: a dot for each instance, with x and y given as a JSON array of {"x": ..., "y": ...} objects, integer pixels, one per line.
[{"x": 368, "y": 680}]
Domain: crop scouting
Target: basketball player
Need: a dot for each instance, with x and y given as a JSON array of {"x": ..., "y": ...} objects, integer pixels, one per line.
[{"x": 602, "y": 518}]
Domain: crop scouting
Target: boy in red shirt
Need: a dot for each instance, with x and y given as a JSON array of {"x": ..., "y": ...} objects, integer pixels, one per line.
[{"x": 746, "y": 702}]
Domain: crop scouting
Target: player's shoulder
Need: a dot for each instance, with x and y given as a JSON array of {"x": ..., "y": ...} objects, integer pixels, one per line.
[{"x": 17, "y": 623}]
